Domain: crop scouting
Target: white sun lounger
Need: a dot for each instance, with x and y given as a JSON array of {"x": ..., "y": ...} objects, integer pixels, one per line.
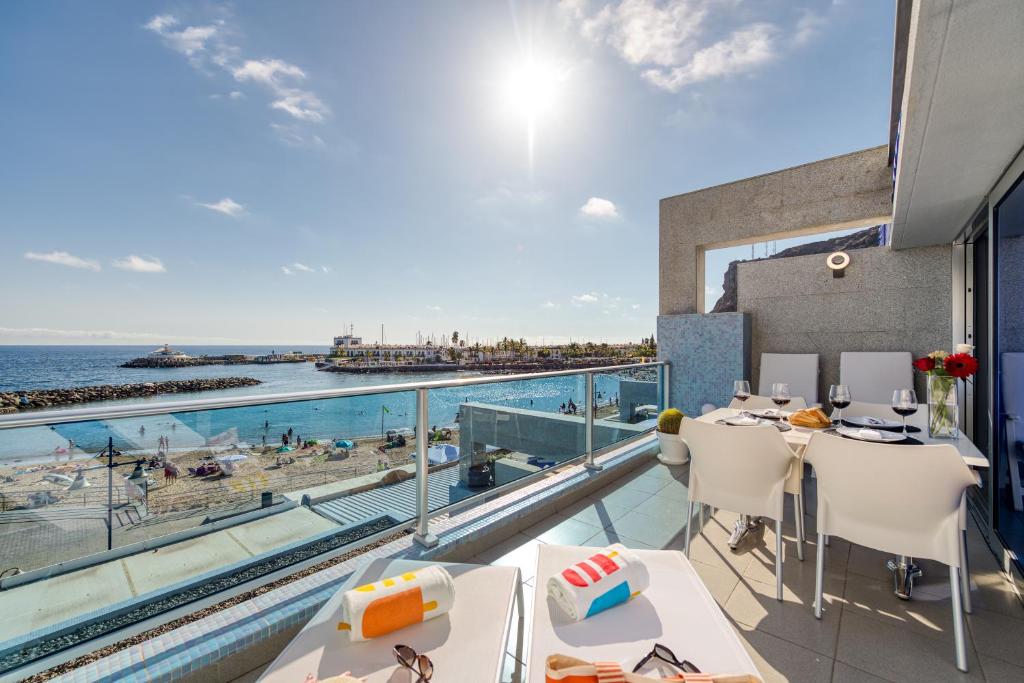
[
  {"x": 467, "y": 644},
  {"x": 676, "y": 611}
]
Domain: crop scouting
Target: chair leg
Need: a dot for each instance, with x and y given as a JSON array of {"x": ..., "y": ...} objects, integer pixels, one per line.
[
  {"x": 798, "y": 511},
  {"x": 827, "y": 541},
  {"x": 778, "y": 560},
  {"x": 819, "y": 577},
  {"x": 700, "y": 517},
  {"x": 958, "y": 619},
  {"x": 965, "y": 573},
  {"x": 686, "y": 540}
]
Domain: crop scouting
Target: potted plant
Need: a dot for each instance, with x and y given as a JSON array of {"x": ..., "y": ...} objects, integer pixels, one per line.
[
  {"x": 943, "y": 370},
  {"x": 674, "y": 450}
]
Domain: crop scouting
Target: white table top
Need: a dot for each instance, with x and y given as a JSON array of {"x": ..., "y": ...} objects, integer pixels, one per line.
[
  {"x": 676, "y": 611},
  {"x": 467, "y": 644},
  {"x": 799, "y": 436}
]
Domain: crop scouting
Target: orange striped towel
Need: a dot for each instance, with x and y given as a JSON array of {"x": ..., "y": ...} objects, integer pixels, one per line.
[{"x": 566, "y": 669}]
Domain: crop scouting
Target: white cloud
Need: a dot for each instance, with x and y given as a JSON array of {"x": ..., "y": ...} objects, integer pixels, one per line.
[
  {"x": 596, "y": 207},
  {"x": 267, "y": 71},
  {"x": 505, "y": 195},
  {"x": 226, "y": 206},
  {"x": 325, "y": 269},
  {"x": 635, "y": 307},
  {"x": 302, "y": 267},
  {"x": 435, "y": 309},
  {"x": 140, "y": 264},
  {"x": 41, "y": 333},
  {"x": 741, "y": 51},
  {"x": 63, "y": 258},
  {"x": 286, "y": 270},
  {"x": 587, "y": 298},
  {"x": 669, "y": 40},
  {"x": 549, "y": 305},
  {"x": 189, "y": 41},
  {"x": 808, "y": 26},
  {"x": 294, "y": 136},
  {"x": 208, "y": 44}
]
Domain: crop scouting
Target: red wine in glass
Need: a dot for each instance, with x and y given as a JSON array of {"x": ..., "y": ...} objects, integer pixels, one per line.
[
  {"x": 741, "y": 390},
  {"x": 780, "y": 402},
  {"x": 904, "y": 412}
]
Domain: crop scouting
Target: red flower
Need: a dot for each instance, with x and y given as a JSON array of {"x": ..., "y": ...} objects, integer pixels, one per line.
[
  {"x": 961, "y": 365},
  {"x": 925, "y": 364}
]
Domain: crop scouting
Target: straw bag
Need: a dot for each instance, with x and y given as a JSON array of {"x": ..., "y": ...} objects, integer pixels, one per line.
[{"x": 565, "y": 669}]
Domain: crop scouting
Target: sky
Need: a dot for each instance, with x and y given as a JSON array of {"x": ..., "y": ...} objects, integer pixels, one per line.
[{"x": 269, "y": 173}]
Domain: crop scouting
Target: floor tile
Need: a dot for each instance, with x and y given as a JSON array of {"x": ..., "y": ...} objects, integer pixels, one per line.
[
  {"x": 562, "y": 531},
  {"x": 654, "y": 531},
  {"x": 900, "y": 654},
  {"x": 517, "y": 551},
  {"x": 844, "y": 673},
  {"x": 719, "y": 582},
  {"x": 998, "y": 635},
  {"x": 596, "y": 513},
  {"x": 646, "y": 484},
  {"x": 780, "y": 661},
  {"x": 754, "y": 604},
  {"x": 998, "y": 671},
  {"x": 663, "y": 506},
  {"x": 930, "y": 614},
  {"x": 628, "y": 498},
  {"x": 606, "y": 537}
]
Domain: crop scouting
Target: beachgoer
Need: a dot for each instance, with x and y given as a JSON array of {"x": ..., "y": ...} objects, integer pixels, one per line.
[
  {"x": 174, "y": 426},
  {"x": 298, "y": 441},
  {"x": 142, "y": 430},
  {"x": 289, "y": 432},
  {"x": 284, "y": 439},
  {"x": 264, "y": 440},
  {"x": 266, "y": 424}
]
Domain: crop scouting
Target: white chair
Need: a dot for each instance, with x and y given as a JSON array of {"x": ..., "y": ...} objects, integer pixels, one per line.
[
  {"x": 884, "y": 411},
  {"x": 906, "y": 500},
  {"x": 1010, "y": 381},
  {"x": 762, "y": 402},
  {"x": 798, "y": 370},
  {"x": 874, "y": 375},
  {"x": 744, "y": 470}
]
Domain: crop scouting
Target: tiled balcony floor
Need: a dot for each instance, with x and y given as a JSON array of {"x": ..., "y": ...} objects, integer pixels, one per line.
[{"x": 866, "y": 635}]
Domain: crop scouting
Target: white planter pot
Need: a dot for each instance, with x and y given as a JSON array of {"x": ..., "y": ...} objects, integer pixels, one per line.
[{"x": 674, "y": 450}]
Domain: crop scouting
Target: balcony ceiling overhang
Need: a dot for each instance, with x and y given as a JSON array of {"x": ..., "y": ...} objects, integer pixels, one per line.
[{"x": 962, "y": 114}]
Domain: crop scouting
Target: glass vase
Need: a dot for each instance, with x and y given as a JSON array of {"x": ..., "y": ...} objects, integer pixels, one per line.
[{"x": 943, "y": 412}]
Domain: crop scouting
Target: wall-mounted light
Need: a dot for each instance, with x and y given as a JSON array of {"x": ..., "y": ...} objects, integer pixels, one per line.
[{"x": 837, "y": 261}]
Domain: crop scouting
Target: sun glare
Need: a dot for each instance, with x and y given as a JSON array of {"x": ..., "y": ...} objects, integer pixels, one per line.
[{"x": 531, "y": 92}]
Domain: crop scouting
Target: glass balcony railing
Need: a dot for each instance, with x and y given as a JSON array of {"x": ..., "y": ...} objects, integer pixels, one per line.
[{"x": 231, "y": 489}]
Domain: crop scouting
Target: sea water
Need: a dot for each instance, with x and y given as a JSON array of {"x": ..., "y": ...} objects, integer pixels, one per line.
[{"x": 34, "y": 367}]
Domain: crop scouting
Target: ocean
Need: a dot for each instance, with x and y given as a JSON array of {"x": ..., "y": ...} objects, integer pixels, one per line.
[{"x": 37, "y": 367}]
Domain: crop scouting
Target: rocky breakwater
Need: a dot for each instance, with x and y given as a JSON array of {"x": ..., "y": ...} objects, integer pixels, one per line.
[{"x": 14, "y": 401}]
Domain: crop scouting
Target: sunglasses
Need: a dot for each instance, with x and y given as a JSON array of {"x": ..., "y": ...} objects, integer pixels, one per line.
[
  {"x": 662, "y": 653},
  {"x": 418, "y": 664}
]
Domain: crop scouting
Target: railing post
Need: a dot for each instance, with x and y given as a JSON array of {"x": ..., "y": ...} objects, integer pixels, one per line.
[
  {"x": 588, "y": 421},
  {"x": 423, "y": 535},
  {"x": 664, "y": 376}
]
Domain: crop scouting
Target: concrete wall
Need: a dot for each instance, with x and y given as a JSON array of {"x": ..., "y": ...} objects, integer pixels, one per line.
[
  {"x": 849, "y": 190},
  {"x": 887, "y": 301},
  {"x": 533, "y": 432},
  {"x": 634, "y": 393}
]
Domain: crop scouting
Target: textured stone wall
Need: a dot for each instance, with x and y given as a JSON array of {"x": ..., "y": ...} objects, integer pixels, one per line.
[
  {"x": 887, "y": 301},
  {"x": 708, "y": 352},
  {"x": 853, "y": 189}
]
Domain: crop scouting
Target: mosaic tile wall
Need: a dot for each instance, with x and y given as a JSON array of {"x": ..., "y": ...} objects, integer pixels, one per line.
[{"x": 708, "y": 351}]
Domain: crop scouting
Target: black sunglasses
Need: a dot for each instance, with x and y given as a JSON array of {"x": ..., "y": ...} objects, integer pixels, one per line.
[
  {"x": 666, "y": 655},
  {"x": 418, "y": 664}
]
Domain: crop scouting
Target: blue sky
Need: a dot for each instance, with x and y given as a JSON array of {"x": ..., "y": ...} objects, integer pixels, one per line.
[{"x": 264, "y": 172}]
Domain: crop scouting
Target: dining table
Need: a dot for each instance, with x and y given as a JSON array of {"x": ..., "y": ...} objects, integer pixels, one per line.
[{"x": 904, "y": 569}]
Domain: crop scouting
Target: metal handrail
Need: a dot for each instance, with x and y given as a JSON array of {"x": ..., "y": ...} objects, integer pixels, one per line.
[{"x": 62, "y": 416}]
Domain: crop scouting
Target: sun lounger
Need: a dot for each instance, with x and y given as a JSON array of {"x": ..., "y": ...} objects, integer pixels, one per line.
[
  {"x": 676, "y": 610},
  {"x": 466, "y": 644}
]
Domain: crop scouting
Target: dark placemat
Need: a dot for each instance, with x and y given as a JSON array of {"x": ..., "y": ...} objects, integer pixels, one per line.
[{"x": 899, "y": 428}]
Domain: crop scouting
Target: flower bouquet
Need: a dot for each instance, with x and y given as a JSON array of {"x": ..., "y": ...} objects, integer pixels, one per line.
[{"x": 943, "y": 370}]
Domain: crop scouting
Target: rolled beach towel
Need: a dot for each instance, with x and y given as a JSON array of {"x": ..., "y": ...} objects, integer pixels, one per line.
[
  {"x": 607, "y": 578},
  {"x": 393, "y": 603}
]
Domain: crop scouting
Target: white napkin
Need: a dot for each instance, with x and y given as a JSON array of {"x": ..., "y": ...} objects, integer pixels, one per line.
[
  {"x": 871, "y": 434},
  {"x": 744, "y": 420}
]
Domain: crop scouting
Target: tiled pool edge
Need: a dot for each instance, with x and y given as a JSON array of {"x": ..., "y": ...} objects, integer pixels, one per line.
[{"x": 243, "y": 637}]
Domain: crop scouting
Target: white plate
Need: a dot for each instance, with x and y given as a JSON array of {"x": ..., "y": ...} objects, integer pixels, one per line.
[
  {"x": 741, "y": 421},
  {"x": 869, "y": 422},
  {"x": 770, "y": 413},
  {"x": 873, "y": 435}
]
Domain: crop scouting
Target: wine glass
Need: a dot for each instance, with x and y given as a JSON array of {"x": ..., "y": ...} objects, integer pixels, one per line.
[
  {"x": 839, "y": 396},
  {"x": 780, "y": 394},
  {"x": 904, "y": 403},
  {"x": 741, "y": 390}
]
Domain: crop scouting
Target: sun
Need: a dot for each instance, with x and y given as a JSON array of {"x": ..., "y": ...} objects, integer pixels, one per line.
[{"x": 531, "y": 88}]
